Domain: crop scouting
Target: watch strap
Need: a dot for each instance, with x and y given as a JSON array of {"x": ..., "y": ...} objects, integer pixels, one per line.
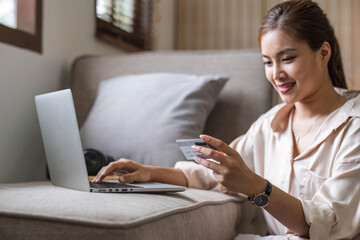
[{"x": 268, "y": 188}]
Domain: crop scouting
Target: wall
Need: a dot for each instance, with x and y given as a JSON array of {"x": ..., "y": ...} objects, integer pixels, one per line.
[
  {"x": 68, "y": 31},
  {"x": 164, "y": 29}
]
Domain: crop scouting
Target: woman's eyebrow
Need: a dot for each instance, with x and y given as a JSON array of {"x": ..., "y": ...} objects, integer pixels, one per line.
[{"x": 286, "y": 50}]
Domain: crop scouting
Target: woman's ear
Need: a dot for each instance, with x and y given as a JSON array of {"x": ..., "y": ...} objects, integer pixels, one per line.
[{"x": 325, "y": 53}]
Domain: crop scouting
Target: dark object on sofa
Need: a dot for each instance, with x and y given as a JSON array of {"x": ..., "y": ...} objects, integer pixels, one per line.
[{"x": 95, "y": 160}]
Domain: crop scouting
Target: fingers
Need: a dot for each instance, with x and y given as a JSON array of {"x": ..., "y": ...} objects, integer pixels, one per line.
[
  {"x": 217, "y": 143},
  {"x": 122, "y": 164},
  {"x": 216, "y": 167},
  {"x": 224, "y": 154},
  {"x": 210, "y": 153}
]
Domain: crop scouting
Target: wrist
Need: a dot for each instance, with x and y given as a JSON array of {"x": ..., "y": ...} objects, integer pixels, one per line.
[
  {"x": 151, "y": 170},
  {"x": 258, "y": 186}
]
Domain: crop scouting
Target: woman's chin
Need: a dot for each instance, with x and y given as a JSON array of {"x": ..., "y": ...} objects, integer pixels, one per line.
[{"x": 287, "y": 99}]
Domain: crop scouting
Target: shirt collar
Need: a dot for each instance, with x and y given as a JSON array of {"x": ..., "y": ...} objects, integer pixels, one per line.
[
  {"x": 350, "y": 109},
  {"x": 352, "y": 106}
]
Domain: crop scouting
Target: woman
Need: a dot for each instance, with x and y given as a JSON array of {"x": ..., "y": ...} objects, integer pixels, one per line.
[{"x": 300, "y": 160}]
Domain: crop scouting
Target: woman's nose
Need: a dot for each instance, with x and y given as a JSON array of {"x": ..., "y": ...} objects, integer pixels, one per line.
[{"x": 277, "y": 72}]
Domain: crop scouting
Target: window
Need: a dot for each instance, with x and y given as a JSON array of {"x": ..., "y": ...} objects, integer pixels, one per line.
[
  {"x": 21, "y": 23},
  {"x": 125, "y": 23}
]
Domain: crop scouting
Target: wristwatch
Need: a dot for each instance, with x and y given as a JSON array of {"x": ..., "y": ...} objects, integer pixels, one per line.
[{"x": 262, "y": 199}]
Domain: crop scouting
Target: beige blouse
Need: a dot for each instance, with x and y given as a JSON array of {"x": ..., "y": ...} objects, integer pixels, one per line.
[{"x": 325, "y": 177}]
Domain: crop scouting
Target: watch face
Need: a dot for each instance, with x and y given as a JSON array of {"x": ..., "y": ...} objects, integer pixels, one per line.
[{"x": 261, "y": 200}]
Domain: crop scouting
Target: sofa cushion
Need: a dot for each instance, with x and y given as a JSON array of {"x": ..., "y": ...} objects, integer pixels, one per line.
[
  {"x": 40, "y": 210},
  {"x": 140, "y": 116},
  {"x": 246, "y": 95}
]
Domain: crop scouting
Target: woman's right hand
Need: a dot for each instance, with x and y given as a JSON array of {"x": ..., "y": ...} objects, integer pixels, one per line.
[{"x": 128, "y": 171}]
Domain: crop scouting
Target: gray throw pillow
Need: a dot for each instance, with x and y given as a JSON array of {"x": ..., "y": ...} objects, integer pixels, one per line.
[{"x": 139, "y": 117}]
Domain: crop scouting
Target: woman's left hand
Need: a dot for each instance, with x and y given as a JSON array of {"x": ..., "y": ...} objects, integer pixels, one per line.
[{"x": 232, "y": 171}]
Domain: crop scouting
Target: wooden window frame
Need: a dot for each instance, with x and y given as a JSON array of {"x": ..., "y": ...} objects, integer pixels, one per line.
[
  {"x": 23, "y": 39},
  {"x": 139, "y": 39}
]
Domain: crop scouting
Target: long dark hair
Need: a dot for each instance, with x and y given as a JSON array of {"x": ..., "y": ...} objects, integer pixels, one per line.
[{"x": 305, "y": 20}]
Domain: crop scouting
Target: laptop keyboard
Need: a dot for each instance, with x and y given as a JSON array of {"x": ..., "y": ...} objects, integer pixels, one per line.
[{"x": 112, "y": 185}]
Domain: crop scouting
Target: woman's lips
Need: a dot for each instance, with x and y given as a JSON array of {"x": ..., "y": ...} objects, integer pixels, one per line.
[{"x": 285, "y": 87}]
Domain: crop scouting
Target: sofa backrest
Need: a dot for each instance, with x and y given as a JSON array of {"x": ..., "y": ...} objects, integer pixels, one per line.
[{"x": 244, "y": 98}]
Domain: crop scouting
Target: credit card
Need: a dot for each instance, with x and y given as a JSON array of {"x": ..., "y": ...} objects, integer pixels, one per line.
[{"x": 185, "y": 146}]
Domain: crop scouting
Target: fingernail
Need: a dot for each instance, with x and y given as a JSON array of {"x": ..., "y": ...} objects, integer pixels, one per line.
[
  {"x": 195, "y": 147},
  {"x": 121, "y": 179},
  {"x": 202, "y": 136},
  {"x": 196, "y": 159}
]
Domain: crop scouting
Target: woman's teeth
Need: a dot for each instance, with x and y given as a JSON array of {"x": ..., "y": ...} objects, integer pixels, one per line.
[{"x": 286, "y": 87}]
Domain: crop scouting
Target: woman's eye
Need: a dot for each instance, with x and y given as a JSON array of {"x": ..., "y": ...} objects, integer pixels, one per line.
[
  {"x": 288, "y": 59},
  {"x": 267, "y": 63}
]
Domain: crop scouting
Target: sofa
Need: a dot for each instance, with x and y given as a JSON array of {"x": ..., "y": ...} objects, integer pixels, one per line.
[{"x": 40, "y": 210}]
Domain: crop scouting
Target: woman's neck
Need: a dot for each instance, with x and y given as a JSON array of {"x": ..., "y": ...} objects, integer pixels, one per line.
[
  {"x": 322, "y": 102},
  {"x": 309, "y": 115}
]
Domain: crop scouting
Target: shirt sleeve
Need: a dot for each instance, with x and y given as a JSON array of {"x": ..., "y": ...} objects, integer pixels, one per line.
[
  {"x": 333, "y": 212},
  {"x": 198, "y": 176}
]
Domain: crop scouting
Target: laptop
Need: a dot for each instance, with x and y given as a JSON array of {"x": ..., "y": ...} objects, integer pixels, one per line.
[{"x": 64, "y": 152}]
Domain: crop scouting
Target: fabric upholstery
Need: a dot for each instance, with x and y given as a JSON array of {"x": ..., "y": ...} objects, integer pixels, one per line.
[
  {"x": 140, "y": 116},
  {"x": 244, "y": 98},
  {"x": 40, "y": 210}
]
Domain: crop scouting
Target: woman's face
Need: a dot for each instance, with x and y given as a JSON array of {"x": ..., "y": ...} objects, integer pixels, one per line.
[{"x": 293, "y": 68}]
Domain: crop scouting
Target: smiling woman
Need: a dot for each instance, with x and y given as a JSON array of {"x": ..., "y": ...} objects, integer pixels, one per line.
[
  {"x": 294, "y": 69},
  {"x": 21, "y": 23}
]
